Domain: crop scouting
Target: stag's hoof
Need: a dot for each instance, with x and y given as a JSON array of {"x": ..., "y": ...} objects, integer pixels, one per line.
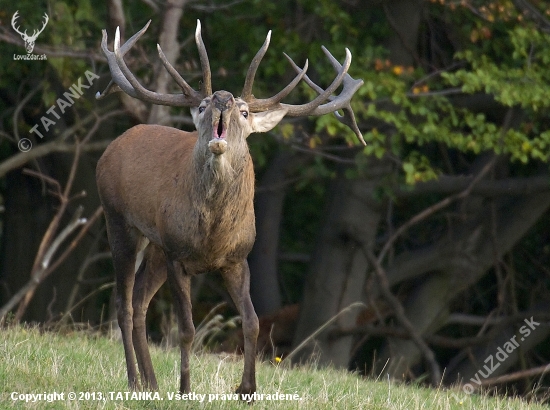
[
  {"x": 134, "y": 385},
  {"x": 246, "y": 392},
  {"x": 217, "y": 146},
  {"x": 150, "y": 386}
]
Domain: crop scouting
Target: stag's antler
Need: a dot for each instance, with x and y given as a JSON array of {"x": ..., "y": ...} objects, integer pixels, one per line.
[
  {"x": 319, "y": 106},
  {"x": 340, "y": 102},
  {"x": 325, "y": 102},
  {"x": 264, "y": 104},
  {"x": 124, "y": 80}
]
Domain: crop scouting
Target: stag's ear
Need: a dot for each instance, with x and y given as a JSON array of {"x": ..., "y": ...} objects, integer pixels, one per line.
[
  {"x": 195, "y": 116},
  {"x": 265, "y": 121}
]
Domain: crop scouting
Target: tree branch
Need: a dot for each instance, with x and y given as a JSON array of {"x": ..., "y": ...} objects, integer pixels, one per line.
[
  {"x": 447, "y": 184},
  {"x": 40, "y": 262},
  {"x": 435, "y": 340},
  {"x": 399, "y": 311},
  {"x": 433, "y": 209},
  {"x": 59, "y": 144},
  {"x": 21, "y": 158},
  {"x": 522, "y": 374},
  {"x": 526, "y": 8},
  {"x": 76, "y": 240},
  {"x": 331, "y": 157},
  {"x": 70, "y": 305},
  {"x": 19, "y": 108},
  {"x": 75, "y": 222},
  {"x": 44, "y": 272}
]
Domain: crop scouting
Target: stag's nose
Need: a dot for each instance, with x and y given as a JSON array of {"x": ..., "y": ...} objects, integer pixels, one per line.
[{"x": 223, "y": 100}]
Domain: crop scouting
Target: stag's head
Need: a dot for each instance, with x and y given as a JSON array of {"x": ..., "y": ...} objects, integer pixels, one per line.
[
  {"x": 29, "y": 40},
  {"x": 222, "y": 120}
]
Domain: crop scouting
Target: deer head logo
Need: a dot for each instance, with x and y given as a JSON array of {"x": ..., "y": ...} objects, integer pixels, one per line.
[{"x": 29, "y": 40}]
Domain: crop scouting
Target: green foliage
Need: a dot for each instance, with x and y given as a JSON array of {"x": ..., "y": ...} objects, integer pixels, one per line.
[
  {"x": 403, "y": 109},
  {"x": 417, "y": 168},
  {"x": 416, "y": 110},
  {"x": 524, "y": 82}
]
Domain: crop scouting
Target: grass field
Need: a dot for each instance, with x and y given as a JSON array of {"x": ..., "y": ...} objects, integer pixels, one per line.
[{"x": 92, "y": 366}]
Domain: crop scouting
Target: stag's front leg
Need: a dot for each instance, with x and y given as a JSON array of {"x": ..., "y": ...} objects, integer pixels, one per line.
[
  {"x": 180, "y": 286},
  {"x": 237, "y": 281},
  {"x": 123, "y": 240},
  {"x": 149, "y": 278}
]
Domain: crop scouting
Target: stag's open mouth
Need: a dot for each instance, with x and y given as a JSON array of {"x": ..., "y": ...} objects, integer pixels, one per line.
[
  {"x": 218, "y": 144},
  {"x": 219, "y": 131}
]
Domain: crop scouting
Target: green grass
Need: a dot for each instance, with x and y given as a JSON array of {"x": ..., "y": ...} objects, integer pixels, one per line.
[{"x": 35, "y": 362}]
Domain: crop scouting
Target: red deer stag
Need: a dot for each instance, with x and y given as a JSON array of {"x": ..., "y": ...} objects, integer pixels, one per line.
[{"x": 186, "y": 198}]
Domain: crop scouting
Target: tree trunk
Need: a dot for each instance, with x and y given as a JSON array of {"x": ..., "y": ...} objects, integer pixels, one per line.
[
  {"x": 337, "y": 271},
  {"x": 263, "y": 259},
  {"x": 159, "y": 114},
  {"x": 456, "y": 263},
  {"x": 404, "y": 16}
]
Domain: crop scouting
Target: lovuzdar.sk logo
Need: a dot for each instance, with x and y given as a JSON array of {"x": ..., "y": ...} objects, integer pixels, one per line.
[{"x": 29, "y": 39}]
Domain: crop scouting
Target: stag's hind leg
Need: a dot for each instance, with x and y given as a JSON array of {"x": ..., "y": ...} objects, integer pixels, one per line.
[
  {"x": 124, "y": 241},
  {"x": 180, "y": 286},
  {"x": 149, "y": 278},
  {"x": 237, "y": 281}
]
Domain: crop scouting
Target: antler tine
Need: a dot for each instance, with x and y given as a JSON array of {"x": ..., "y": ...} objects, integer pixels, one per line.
[
  {"x": 310, "y": 107},
  {"x": 133, "y": 40},
  {"x": 124, "y": 80},
  {"x": 263, "y": 104},
  {"x": 119, "y": 82},
  {"x": 340, "y": 102},
  {"x": 307, "y": 80},
  {"x": 205, "y": 63},
  {"x": 246, "y": 94},
  {"x": 258, "y": 105},
  {"x": 350, "y": 121},
  {"x": 343, "y": 101},
  {"x": 178, "y": 100},
  {"x": 186, "y": 89}
]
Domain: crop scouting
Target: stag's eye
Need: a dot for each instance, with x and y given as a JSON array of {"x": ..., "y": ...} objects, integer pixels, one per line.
[
  {"x": 201, "y": 109},
  {"x": 244, "y": 114}
]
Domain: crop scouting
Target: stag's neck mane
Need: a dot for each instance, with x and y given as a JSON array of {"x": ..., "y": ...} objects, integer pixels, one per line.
[{"x": 221, "y": 177}]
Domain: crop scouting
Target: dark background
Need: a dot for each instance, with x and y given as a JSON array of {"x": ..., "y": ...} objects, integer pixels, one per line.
[{"x": 446, "y": 207}]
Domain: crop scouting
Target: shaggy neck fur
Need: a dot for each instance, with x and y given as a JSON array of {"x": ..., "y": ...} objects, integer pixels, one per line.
[{"x": 220, "y": 175}]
